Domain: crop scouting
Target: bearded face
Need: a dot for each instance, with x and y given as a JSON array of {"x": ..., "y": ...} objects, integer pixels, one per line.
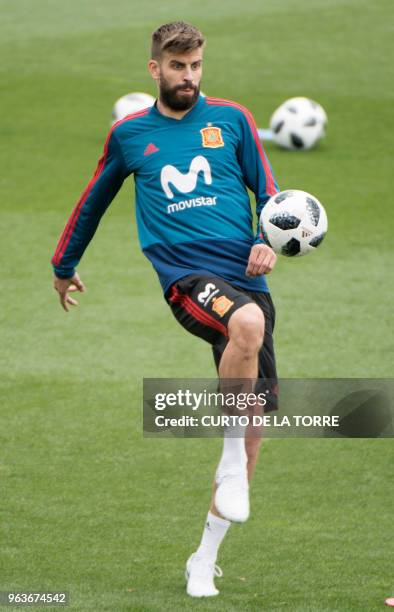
[
  {"x": 178, "y": 97},
  {"x": 178, "y": 76}
]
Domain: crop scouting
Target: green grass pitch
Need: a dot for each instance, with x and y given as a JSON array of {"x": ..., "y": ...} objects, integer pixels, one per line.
[{"x": 87, "y": 504}]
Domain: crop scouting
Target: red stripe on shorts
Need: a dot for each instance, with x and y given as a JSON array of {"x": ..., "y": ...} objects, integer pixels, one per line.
[{"x": 196, "y": 311}]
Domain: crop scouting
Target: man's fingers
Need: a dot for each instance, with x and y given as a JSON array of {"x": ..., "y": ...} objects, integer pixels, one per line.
[
  {"x": 66, "y": 286},
  {"x": 254, "y": 263},
  {"x": 71, "y": 301},
  {"x": 249, "y": 269},
  {"x": 260, "y": 262},
  {"x": 76, "y": 282},
  {"x": 63, "y": 300},
  {"x": 267, "y": 264},
  {"x": 252, "y": 269}
]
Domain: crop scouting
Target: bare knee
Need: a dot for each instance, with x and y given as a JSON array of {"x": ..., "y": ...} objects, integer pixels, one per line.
[{"x": 246, "y": 329}]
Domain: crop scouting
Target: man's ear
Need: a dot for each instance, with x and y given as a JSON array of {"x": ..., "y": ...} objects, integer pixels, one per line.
[{"x": 154, "y": 69}]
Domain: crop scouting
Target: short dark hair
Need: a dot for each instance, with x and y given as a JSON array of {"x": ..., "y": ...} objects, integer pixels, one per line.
[{"x": 178, "y": 37}]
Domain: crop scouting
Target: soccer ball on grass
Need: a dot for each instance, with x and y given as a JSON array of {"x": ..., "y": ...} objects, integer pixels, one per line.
[
  {"x": 130, "y": 103},
  {"x": 298, "y": 124},
  {"x": 293, "y": 222}
]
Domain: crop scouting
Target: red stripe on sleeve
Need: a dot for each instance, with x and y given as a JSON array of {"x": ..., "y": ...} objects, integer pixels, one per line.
[{"x": 70, "y": 225}]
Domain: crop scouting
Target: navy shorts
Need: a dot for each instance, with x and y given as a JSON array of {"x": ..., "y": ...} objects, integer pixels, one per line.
[{"x": 204, "y": 304}]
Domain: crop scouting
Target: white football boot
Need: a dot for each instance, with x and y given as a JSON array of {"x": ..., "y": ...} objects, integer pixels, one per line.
[
  {"x": 199, "y": 574},
  {"x": 232, "y": 495}
]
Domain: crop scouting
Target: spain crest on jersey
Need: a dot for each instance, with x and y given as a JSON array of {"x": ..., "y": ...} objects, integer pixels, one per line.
[{"x": 212, "y": 137}]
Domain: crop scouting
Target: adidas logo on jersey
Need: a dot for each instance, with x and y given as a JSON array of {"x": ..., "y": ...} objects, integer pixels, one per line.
[{"x": 151, "y": 148}]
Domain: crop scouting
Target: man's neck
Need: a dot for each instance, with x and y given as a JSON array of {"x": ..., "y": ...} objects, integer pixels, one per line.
[{"x": 169, "y": 112}]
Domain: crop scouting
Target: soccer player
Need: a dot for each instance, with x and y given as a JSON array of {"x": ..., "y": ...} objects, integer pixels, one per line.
[{"x": 193, "y": 158}]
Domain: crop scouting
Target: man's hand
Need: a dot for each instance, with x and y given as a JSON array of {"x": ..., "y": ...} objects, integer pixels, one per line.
[
  {"x": 65, "y": 285},
  {"x": 261, "y": 260}
]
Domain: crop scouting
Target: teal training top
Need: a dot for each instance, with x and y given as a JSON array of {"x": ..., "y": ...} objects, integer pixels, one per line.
[{"x": 191, "y": 178}]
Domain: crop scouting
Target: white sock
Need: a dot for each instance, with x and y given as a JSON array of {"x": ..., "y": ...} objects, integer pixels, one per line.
[
  {"x": 214, "y": 531},
  {"x": 234, "y": 456}
]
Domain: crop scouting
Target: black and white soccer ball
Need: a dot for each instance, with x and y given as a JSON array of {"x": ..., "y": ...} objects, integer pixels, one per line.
[
  {"x": 131, "y": 103},
  {"x": 298, "y": 124},
  {"x": 293, "y": 222}
]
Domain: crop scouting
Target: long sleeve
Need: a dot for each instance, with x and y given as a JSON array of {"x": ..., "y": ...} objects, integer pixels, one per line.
[
  {"x": 257, "y": 171},
  {"x": 108, "y": 178}
]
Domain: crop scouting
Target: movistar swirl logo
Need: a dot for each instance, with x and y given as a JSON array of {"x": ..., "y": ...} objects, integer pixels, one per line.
[{"x": 185, "y": 183}]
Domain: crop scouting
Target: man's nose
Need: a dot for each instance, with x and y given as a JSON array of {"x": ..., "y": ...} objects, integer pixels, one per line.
[{"x": 188, "y": 74}]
